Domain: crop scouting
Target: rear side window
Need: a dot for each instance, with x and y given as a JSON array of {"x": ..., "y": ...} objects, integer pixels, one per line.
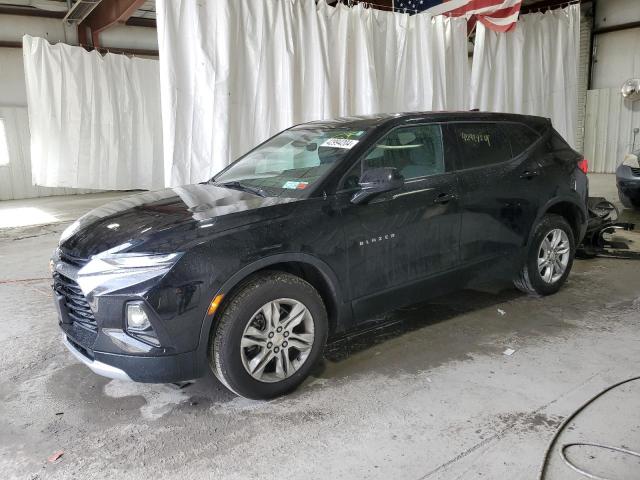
[
  {"x": 520, "y": 136},
  {"x": 481, "y": 144}
]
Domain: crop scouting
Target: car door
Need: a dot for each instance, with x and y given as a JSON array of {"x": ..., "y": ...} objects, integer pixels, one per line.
[
  {"x": 498, "y": 191},
  {"x": 401, "y": 238}
]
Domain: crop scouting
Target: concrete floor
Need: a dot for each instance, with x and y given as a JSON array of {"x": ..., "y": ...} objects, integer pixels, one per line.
[
  {"x": 52, "y": 210},
  {"x": 430, "y": 396}
]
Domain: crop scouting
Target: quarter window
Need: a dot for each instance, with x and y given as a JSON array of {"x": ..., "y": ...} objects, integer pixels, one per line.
[
  {"x": 521, "y": 137},
  {"x": 481, "y": 144}
]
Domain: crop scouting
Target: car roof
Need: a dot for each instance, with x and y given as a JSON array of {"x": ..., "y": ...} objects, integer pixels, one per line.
[{"x": 383, "y": 119}]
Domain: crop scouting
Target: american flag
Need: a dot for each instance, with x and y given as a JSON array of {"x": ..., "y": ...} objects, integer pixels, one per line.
[{"x": 498, "y": 15}]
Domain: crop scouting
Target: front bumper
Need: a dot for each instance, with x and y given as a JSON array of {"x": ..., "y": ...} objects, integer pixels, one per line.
[
  {"x": 97, "y": 367},
  {"x": 91, "y": 316},
  {"x": 160, "y": 369}
]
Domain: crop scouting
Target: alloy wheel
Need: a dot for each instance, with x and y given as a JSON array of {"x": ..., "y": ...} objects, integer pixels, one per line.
[
  {"x": 277, "y": 340},
  {"x": 553, "y": 255}
]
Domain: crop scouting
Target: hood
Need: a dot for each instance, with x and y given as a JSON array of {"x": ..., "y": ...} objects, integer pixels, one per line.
[{"x": 159, "y": 221}]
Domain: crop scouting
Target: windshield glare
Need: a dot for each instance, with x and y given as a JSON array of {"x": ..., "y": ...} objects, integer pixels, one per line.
[{"x": 291, "y": 162}]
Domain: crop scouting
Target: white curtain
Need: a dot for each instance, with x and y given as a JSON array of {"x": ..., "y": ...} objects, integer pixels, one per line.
[
  {"x": 95, "y": 120},
  {"x": 532, "y": 69},
  {"x": 234, "y": 73}
]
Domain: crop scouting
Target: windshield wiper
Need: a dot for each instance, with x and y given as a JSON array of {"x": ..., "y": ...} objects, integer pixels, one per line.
[{"x": 242, "y": 187}]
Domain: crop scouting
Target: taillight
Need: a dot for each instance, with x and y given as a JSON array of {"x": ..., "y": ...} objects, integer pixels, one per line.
[{"x": 583, "y": 165}]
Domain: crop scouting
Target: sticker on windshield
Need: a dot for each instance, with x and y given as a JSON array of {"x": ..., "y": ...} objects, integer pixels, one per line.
[
  {"x": 345, "y": 143},
  {"x": 291, "y": 185}
]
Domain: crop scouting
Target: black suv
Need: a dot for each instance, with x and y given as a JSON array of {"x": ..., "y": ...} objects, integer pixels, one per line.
[{"x": 309, "y": 235}]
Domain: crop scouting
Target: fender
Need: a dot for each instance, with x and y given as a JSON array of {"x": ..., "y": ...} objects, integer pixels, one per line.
[
  {"x": 325, "y": 270},
  {"x": 554, "y": 201}
]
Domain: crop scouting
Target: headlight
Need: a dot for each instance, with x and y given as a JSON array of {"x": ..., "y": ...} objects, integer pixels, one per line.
[
  {"x": 136, "y": 260},
  {"x": 120, "y": 262}
]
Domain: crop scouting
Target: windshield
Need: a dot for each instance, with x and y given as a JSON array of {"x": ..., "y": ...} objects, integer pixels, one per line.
[{"x": 291, "y": 162}]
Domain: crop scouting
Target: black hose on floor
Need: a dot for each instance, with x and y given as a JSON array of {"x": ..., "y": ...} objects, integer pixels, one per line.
[{"x": 545, "y": 462}]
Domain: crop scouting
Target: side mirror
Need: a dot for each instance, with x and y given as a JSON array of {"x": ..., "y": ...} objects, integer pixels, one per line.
[{"x": 376, "y": 181}]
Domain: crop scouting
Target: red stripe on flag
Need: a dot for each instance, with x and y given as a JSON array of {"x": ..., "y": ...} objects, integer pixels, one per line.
[
  {"x": 505, "y": 12},
  {"x": 489, "y": 12},
  {"x": 475, "y": 5},
  {"x": 497, "y": 28}
]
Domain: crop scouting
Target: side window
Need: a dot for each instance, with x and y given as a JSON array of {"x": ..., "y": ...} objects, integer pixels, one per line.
[
  {"x": 415, "y": 151},
  {"x": 481, "y": 144},
  {"x": 520, "y": 136}
]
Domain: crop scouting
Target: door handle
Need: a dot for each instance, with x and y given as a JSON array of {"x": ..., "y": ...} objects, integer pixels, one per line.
[
  {"x": 445, "y": 198},
  {"x": 529, "y": 174}
]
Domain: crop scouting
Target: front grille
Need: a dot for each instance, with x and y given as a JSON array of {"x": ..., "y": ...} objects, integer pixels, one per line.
[
  {"x": 75, "y": 301},
  {"x": 635, "y": 171}
]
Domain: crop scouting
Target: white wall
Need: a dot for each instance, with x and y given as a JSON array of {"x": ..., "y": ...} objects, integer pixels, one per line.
[
  {"x": 616, "y": 54},
  {"x": 583, "y": 75},
  {"x": 13, "y": 27},
  {"x": 610, "y": 119},
  {"x": 616, "y": 58},
  {"x": 609, "y": 129},
  {"x": 12, "y": 84},
  {"x": 123, "y": 36},
  {"x": 616, "y": 12},
  {"x": 15, "y": 179}
]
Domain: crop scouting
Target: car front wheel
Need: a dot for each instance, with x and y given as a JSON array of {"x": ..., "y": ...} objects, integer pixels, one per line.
[
  {"x": 269, "y": 336},
  {"x": 549, "y": 257}
]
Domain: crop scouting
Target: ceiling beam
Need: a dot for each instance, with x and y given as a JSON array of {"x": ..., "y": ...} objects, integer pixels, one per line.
[
  {"x": 616, "y": 28},
  {"x": 107, "y": 14}
]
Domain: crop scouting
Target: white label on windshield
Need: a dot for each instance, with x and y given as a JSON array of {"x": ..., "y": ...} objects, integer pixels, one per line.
[
  {"x": 295, "y": 185},
  {"x": 340, "y": 143}
]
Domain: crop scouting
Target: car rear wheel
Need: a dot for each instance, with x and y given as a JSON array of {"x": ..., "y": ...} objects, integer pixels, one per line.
[
  {"x": 549, "y": 258},
  {"x": 269, "y": 336}
]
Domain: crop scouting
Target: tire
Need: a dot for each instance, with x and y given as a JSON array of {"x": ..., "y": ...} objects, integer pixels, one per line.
[
  {"x": 530, "y": 279},
  {"x": 246, "y": 336}
]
